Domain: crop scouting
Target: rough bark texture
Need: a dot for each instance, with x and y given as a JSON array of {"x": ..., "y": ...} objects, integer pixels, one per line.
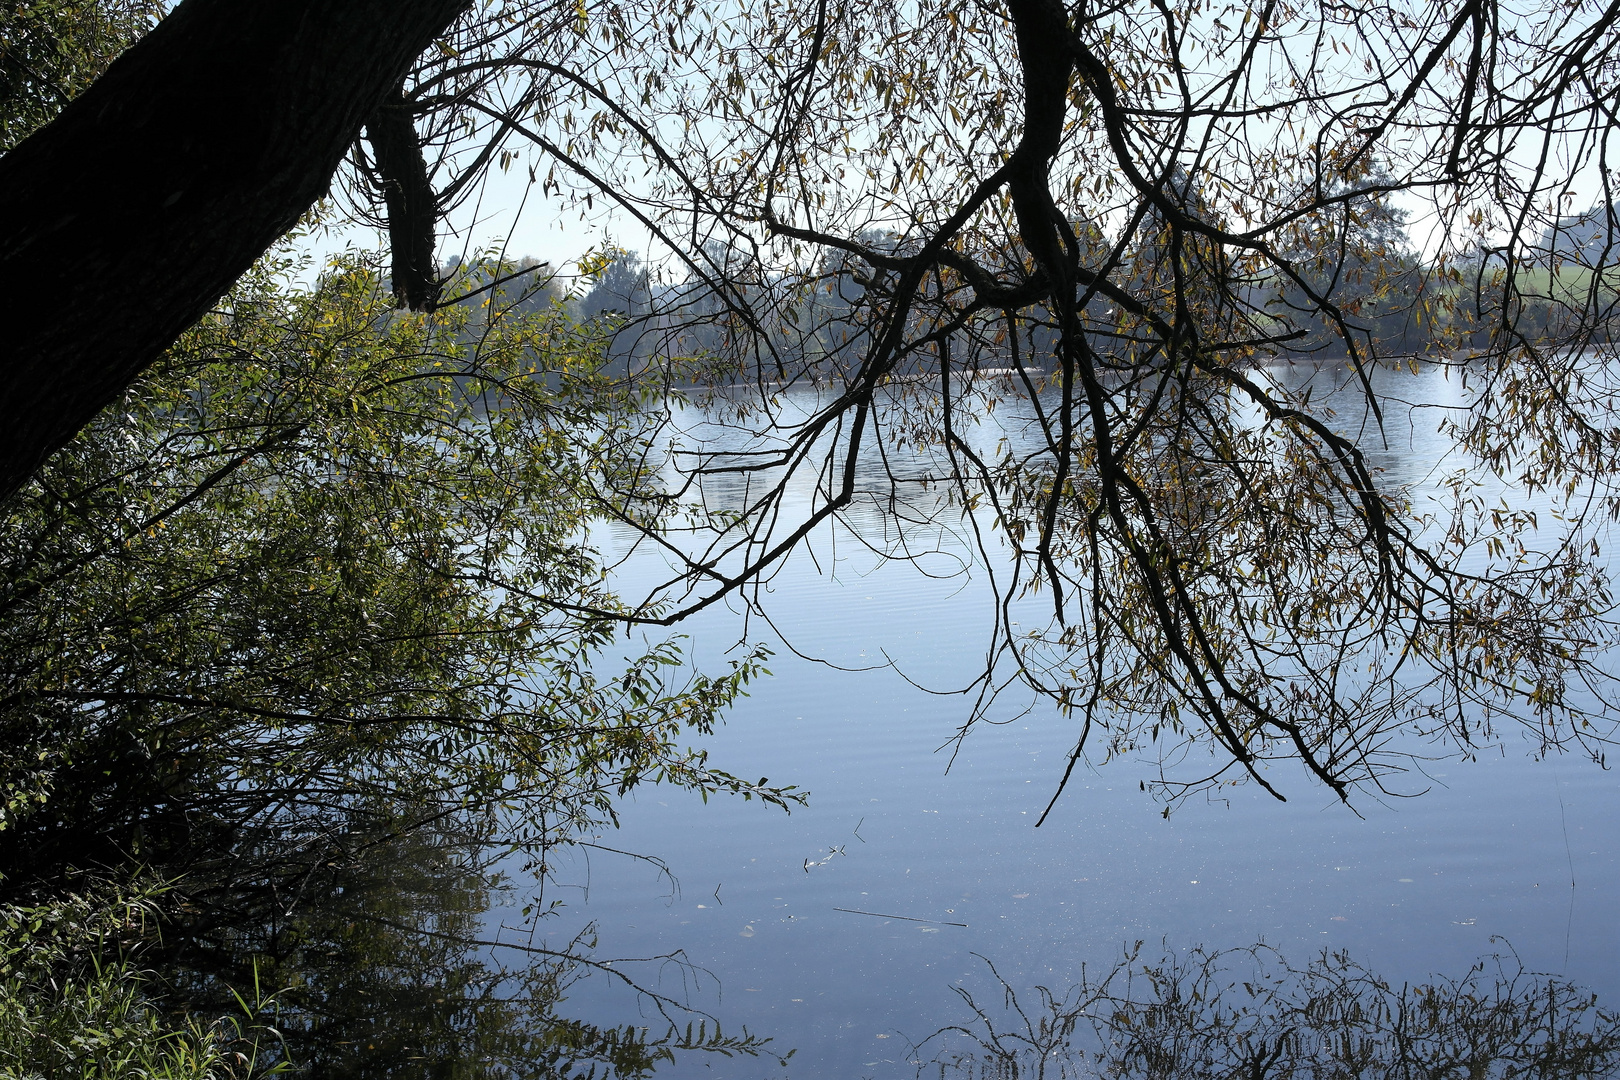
[
  {"x": 413, "y": 210},
  {"x": 124, "y": 219}
]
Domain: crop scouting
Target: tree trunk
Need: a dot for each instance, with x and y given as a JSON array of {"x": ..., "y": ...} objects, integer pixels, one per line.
[
  {"x": 413, "y": 212},
  {"x": 125, "y": 218}
]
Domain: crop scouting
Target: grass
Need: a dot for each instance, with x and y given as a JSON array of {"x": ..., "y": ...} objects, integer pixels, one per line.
[{"x": 74, "y": 1006}]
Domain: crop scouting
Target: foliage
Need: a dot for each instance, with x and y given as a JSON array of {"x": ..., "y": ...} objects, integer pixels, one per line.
[
  {"x": 618, "y": 284},
  {"x": 73, "y": 1003},
  {"x": 1357, "y": 256},
  {"x": 383, "y": 968},
  {"x": 327, "y": 567},
  {"x": 52, "y": 49},
  {"x": 1141, "y": 214},
  {"x": 319, "y": 584},
  {"x": 325, "y": 561}
]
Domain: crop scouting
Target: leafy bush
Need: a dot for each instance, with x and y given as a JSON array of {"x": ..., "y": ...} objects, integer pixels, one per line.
[
  {"x": 73, "y": 1004},
  {"x": 329, "y": 562}
]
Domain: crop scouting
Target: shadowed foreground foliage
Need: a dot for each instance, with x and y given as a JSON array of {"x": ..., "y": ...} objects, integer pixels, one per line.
[
  {"x": 74, "y": 1003},
  {"x": 385, "y": 966},
  {"x": 372, "y": 963},
  {"x": 319, "y": 565},
  {"x": 311, "y": 593}
]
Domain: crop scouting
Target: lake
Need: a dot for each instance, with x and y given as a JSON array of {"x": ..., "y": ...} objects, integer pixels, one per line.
[{"x": 843, "y": 929}]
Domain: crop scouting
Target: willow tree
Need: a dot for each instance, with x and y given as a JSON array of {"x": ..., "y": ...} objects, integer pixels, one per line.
[
  {"x": 1138, "y": 210},
  {"x": 317, "y": 587},
  {"x": 323, "y": 575},
  {"x": 1135, "y": 208}
]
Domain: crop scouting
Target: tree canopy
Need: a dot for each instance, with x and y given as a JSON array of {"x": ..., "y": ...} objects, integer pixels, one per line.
[
  {"x": 148, "y": 194},
  {"x": 315, "y": 601},
  {"x": 1135, "y": 208},
  {"x": 1138, "y": 211}
]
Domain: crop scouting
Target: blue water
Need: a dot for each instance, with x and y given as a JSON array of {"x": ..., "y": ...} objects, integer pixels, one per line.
[{"x": 902, "y": 822}]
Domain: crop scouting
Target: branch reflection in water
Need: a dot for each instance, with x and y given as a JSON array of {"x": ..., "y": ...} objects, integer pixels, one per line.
[
  {"x": 1248, "y": 1013},
  {"x": 382, "y": 963}
]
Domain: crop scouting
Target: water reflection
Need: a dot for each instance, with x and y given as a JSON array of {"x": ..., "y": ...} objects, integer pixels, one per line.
[
  {"x": 1414, "y": 887},
  {"x": 376, "y": 989},
  {"x": 375, "y": 949},
  {"x": 1247, "y": 1013},
  {"x": 382, "y": 967}
]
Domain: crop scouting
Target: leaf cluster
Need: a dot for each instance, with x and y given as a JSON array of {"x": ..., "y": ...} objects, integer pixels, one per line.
[
  {"x": 330, "y": 560},
  {"x": 52, "y": 49}
]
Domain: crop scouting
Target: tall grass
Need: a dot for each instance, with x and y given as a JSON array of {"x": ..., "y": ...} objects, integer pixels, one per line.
[{"x": 75, "y": 1006}]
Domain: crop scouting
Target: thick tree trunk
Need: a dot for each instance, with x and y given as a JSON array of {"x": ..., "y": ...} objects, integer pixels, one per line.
[{"x": 124, "y": 219}]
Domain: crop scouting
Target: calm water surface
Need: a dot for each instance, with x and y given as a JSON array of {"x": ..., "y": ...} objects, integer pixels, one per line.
[{"x": 1482, "y": 861}]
